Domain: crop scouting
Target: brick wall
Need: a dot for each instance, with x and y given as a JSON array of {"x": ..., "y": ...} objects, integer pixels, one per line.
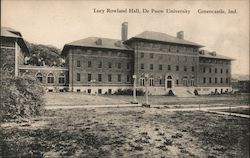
[
  {"x": 157, "y": 58},
  {"x": 207, "y": 72},
  {"x": 84, "y": 63},
  {"x": 45, "y": 71}
]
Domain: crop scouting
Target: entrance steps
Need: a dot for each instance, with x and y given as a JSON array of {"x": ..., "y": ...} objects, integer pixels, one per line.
[{"x": 183, "y": 92}]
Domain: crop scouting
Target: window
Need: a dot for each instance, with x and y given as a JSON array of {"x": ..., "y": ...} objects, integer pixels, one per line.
[
  {"x": 78, "y": 77},
  {"x": 128, "y": 65},
  {"x": 169, "y": 67},
  {"x": 177, "y": 82},
  {"x": 141, "y": 81},
  {"x": 110, "y": 65},
  {"x": 89, "y": 91},
  {"x": 78, "y": 63},
  {"x": 39, "y": 77},
  {"x": 192, "y": 68},
  {"x": 110, "y": 78},
  {"x": 99, "y": 77},
  {"x": 226, "y": 80},
  {"x": 151, "y": 82},
  {"x": 227, "y": 71},
  {"x": 142, "y": 55},
  {"x": 215, "y": 70},
  {"x": 151, "y": 55},
  {"x": 192, "y": 82},
  {"x": 160, "y": 67},
  {"x": 210, "y": 80},
  {"x": 177, "y": 67},
  {"x": 100, "y": 65},
  {"x": 61, "y": 78},
  {"x": 151, "y": 66},
  {"x": 215, "y": 80},
  {"x": 142, "y": 66},
  {"x": 128, "y": 78},
  {"x": 50, "y": 78},
  {"x": 109, "y": 91},
  {"x": 185, "y": 68},
  {"x": 119, "y": 65},
  {"x": 210, "y": 70},
  {"x": 221, "y": 71},
  {"x": 221, "y": 80},
  {"x": 204, "y": 69},
  {"x": 160, "y": 82},
  {"x": 89, "y": 77},
  {"x": 185, "y": 81},
  {"x": 204, "y": 80},
  {"x": 119, "y": 78},
  {"x": 99, "y": 91},
  {"x": 185, "y": 58},
  {"x": 89, "y": 64},
  {"x": 78, "y": 90}
]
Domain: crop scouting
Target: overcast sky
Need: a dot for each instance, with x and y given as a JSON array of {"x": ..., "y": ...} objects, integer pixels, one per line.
[{"x": 61, "y": 21}]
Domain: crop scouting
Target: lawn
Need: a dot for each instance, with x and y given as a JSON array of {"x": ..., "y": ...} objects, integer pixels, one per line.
[
  {"x": 68, "y": 99},
  {"x": 126, "y": 132}
]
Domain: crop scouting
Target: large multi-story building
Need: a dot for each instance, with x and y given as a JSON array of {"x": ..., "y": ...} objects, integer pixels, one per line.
[{"x": 156, "y": 60}]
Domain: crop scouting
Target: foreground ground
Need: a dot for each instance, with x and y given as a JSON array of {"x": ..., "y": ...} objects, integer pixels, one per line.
[
  {"x": 160, "y": 131},
  {"x": 127, "y": 132}
]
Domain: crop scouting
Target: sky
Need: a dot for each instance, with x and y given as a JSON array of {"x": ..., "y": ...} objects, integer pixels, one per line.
[{"x": 60, "y": 22}]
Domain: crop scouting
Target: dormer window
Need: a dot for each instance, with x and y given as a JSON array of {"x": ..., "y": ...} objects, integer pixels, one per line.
[{"x": 99, "y": 42}]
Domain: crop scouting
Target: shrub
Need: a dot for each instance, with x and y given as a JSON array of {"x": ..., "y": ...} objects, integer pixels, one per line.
[
  {"x": 196, "y": 92},
  {"x": 170, "y": 93},
  {"x": 21, "y": 97},
  {"x": 128, "y": 92}
]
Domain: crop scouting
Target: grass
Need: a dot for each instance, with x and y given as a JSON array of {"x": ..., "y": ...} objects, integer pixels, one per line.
[
  {"x": 84, "y": 99},
  {"x": 126, "y": 132}
]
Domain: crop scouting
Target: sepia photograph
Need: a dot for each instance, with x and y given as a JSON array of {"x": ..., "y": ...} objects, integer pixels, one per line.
[{"x": 123, "y": 78}]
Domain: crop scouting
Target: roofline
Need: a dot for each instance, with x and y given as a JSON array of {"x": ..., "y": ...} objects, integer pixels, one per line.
[
  {"x": 136, "y": 38},
  {"x": 67, "y": 46},
  {"x": 19, "y": 40},
  {"x": 214, "y": 57}
]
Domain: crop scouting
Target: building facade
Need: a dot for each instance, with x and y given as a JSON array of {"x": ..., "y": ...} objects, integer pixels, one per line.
[{"x": 156, "y": 60}]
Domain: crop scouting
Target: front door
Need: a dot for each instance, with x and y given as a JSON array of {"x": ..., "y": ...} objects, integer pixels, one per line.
[{"x": 169, "y": 84}]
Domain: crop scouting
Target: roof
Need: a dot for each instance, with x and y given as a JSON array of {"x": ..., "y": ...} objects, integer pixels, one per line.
[
  {"x": 105, "y": 43},
  {"x": 207, "y": 54},
  {"x": 9, "y": 32},
  {"x": 162, "y": 37}
]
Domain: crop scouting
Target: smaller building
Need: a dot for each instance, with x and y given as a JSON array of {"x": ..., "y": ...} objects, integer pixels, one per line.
[{"x": 12, "y": 61}]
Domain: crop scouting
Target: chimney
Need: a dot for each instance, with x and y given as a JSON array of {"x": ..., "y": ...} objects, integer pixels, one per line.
[
  {"x": 180, "y": 34},
  {"x": 98, "y": 41},
  {"x": 124, "y": 31}
]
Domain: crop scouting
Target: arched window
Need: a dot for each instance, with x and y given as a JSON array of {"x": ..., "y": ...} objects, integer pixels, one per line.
[
  {"x": 50, "y": 78},
  {"x": 39, "y": 77},
  {"x": 61, "y": 78},
  {"x": 185, "y": 81},
  {"x": 169, "y": 77}
]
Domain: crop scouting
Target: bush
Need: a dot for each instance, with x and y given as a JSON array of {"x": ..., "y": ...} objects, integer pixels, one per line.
[
  {"x": 128, "y": 92},
  {"x": 21, "y": 97},
  {"x": 170, "y": 93},
  {"x": 196, "y": 92}
]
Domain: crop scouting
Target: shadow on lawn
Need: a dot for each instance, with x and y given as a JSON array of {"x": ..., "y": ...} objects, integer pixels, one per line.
[{"x": 34, "y": 143}]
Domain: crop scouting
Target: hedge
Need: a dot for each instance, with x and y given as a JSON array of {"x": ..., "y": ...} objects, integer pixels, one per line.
[{"x": 21, "y": 97}]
